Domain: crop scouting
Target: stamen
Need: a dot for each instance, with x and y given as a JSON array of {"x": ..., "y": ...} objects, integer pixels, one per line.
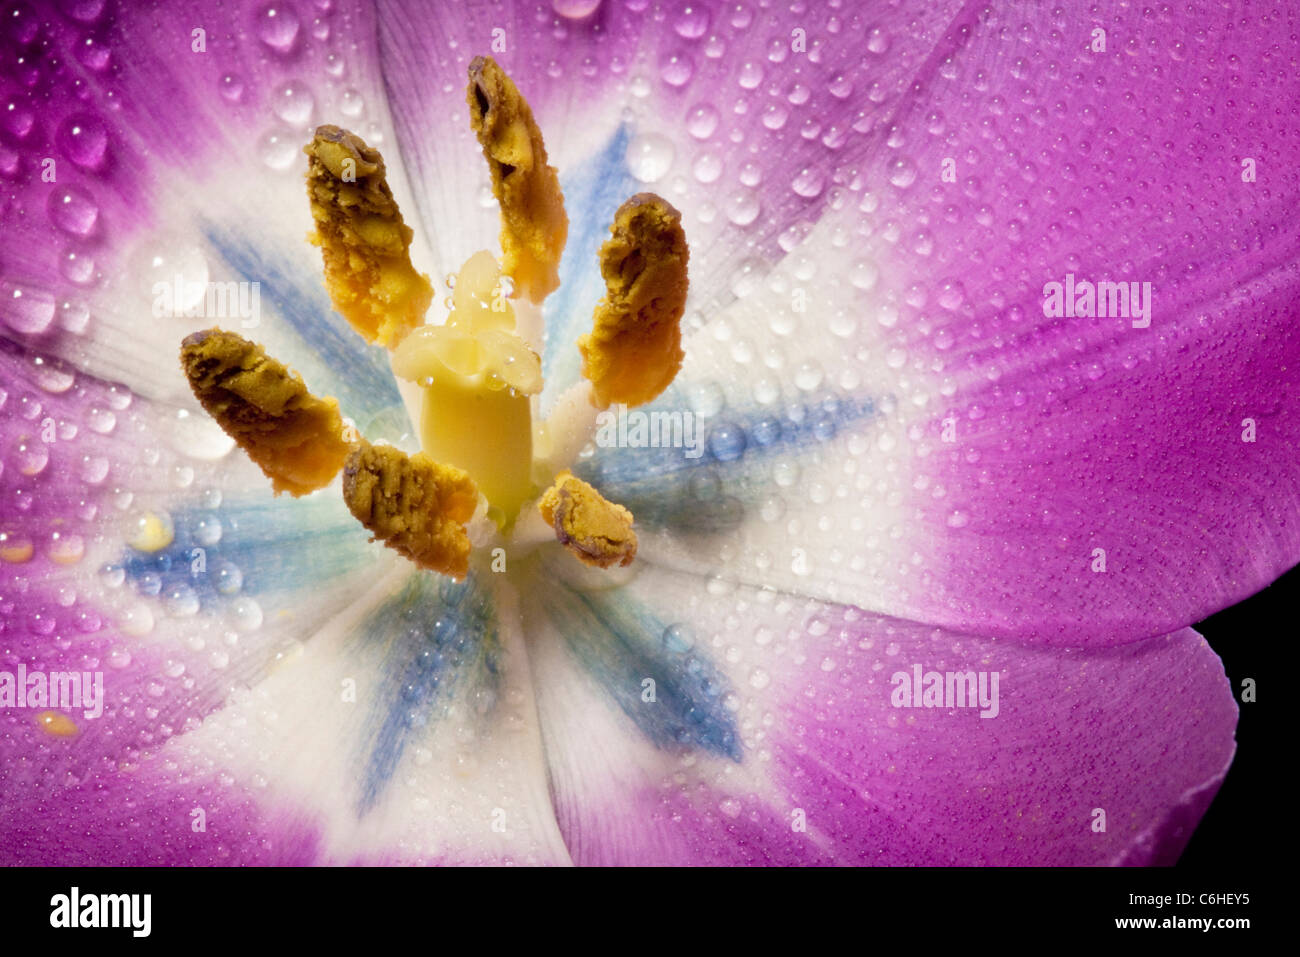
[
  {"x": 634, "y": 350},
  {"x": 598, "y": 531},
  {"x": 534, "y": 225},
  {"x": 294, "y": 437},
  {"x": 363, "y": 240},
  {"x": 413, "y": 505}
]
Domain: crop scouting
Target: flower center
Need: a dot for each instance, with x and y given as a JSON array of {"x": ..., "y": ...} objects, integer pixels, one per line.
[
  {"x": 470, "y": 383},
  {"x": 477, "y": 377}
]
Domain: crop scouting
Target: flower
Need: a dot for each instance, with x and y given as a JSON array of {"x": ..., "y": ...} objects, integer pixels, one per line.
[{"x": 911, "y": 466}]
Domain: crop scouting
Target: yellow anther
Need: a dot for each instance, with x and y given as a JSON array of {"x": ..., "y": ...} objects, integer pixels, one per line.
[
  {"x": 634, "y": 350},
  {"x": 56, "y": 724},
  {"x": 363, "y": 240},
  {"x": 598, "y": 531},
  {"x": 412, "y": 504},
  {"x": 294, "y": 437},
  {"x": 533, "y": 222}
]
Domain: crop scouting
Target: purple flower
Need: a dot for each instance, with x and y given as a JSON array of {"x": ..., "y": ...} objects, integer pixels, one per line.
[{"x": 989, "y": 393}]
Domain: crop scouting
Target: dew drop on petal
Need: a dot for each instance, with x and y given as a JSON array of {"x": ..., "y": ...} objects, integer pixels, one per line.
[
  {"x": 727, "y": 441},
  {"x": 691, "y": 20},
  {"x": 650, "y": 156},
  {"x": 293, "y": 102},
  {"x": 707, "y": 167},
  {"x": 678, "y": 639},
  {"x": 677, "y": 68},
  {"x": 84, "y": 140},
  {"x": 72, "y": 210},
  {"x": 575, "y": 9},
  {"x": 702, "y": 121},
  {"x": 742, "y": 207},
  {"x": 902, "y": 172},
  {"x": 277, "y": 26},
  {"x": 26, "y": 311},
  {"x": 278, "y": 148},
  {"x": 231, "y": 87},
  {"x": 809, "y": 182}
]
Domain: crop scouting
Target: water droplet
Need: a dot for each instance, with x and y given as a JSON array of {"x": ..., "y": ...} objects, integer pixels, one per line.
[
  {"x": 676, "y": 69},
  {"x": 26, "y": 311},
  {"x": 232, "y": 88},
  {"x": 702, "y": 121},
  {"x": 198, "y": 436},
  {"x": 66, "y": 549},
  {"x": 293, "y": 102},
  {"x": 277, "y": 26},
  {"x": 76, "y": 267},
  {"x": 182, "y": 601},
  {"x": 809, "y": 182},
  {"x": 72, "y": 210},
  {"x": 775, "y": 115},
  {"x": 902, "y": 172},
  {"x": 691, "y": 20},
  {"x": 94, "y": 469},
  {"x": 808, "y": 376},
  {"x": 575, "y": 9},
  {"x": 706, "y": 398},
  {"x": 864, "y": 274},
  {"x": 169, "y": 259},
  {"x": 30, "y": 456},
  {"x": 101, "y": 420},
  {"x": 278, "y": 148},
  {"x": 84, "y": 140},
  {"x": 759, "y": 679},
  {"x": 742, "y": 207},
  {"x": 149, "y": 531},
  {"x": 247, "y": 614},
  {"x": 228, "y": 579},
  {"x": 727, "y": 441},
  {"x": 678, "y": 639},
  {"x": 751, "y": 75},
  {"x": 207, "y": 530},
  {"x": 351, "y": 103},
  {"x": 649, "y": 157},
  {"x": 707, "y": 167}
]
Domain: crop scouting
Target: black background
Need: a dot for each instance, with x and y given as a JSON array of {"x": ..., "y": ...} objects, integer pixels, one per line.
[{"x": 1249, "y": 637}]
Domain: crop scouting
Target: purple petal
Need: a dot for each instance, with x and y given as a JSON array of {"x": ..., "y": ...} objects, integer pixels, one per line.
[{"x": 829, "y": 770}]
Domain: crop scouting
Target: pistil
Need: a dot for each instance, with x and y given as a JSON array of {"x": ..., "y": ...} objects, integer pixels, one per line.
[{"x": 477, "y": 376}]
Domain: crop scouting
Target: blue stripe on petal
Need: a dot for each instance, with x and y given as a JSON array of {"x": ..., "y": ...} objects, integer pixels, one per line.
[
  {"x": 358, "y": 374},
  {"x": 247, "y": 547},
  {"x": 666, "y": 489},
  {"x": 440, "y": 642},
  {"x": 593, "y": 192},
  {"x": 622, "y": 645}
]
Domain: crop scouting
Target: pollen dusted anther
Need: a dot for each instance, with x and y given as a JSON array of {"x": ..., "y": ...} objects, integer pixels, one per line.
[
  {"x": 363, "y": 240},
  {"x": 294, "y": 437},
  {"x": 412, "y": 504},
  {"x": 534, "y": 226},
  {"x": 594, "y": 529},
  {"x": 634, "y": 350}
]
